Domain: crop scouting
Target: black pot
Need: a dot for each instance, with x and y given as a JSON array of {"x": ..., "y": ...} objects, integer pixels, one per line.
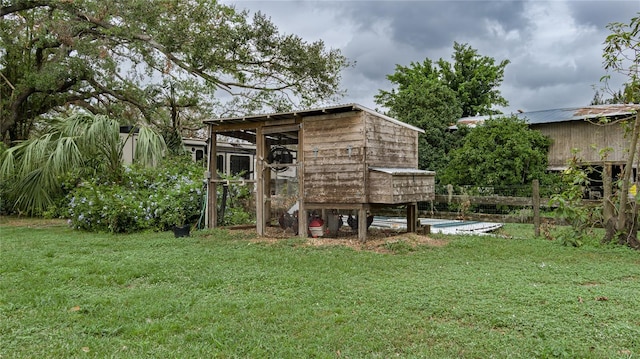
[{"x": 181, "y": 231}]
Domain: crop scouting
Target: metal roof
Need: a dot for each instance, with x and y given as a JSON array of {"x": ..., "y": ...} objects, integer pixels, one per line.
[
  {"x": 306, "y": 113},
  {"x": 578, "y": 113},
  {"x": 562, "y": 114}
]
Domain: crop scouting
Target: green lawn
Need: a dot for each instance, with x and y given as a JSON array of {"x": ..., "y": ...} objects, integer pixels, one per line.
[{"x": 70, "y": 294}]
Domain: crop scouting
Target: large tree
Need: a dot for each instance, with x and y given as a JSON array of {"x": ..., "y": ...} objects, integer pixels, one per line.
[
  {"x": 622, "y": 55},
  {"x": 433, "y": 96},
  {"x": 475, "y": 80},
  {"x": 157, "y": 60},
  {"x": 502, "y": 151},
  {"x": 423, "y": 101}
]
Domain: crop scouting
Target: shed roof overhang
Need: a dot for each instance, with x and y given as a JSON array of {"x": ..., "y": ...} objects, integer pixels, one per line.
[{"x": 253, "y": 120}]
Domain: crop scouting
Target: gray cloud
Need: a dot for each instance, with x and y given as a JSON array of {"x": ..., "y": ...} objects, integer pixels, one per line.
[{"x": 555, "y": 47}]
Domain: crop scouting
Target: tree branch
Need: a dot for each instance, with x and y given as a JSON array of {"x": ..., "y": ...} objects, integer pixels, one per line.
[{"x": 21, "y": 6}]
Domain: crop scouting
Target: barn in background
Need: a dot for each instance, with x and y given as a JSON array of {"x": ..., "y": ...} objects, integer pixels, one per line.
[
  {"x": 589, "y": 130},
  {"x": 346, "y": 159}
]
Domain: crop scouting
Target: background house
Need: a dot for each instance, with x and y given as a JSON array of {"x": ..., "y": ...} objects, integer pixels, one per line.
[{"x": 233, "y": 156}]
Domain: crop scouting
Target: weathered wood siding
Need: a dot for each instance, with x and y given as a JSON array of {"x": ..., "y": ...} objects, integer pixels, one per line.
[
  {"x": 404, "y": 188},
  {"x": 389, "y": 144},
  {"x": 334, "y": 158},
  {"x": 587, "y": 137}
]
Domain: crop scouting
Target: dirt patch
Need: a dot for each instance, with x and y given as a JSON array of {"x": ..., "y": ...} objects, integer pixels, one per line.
[{"x": 380, "y": 241}]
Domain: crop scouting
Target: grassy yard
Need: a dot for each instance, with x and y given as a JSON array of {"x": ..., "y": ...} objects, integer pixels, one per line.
[{"x": 70, "y": 294}]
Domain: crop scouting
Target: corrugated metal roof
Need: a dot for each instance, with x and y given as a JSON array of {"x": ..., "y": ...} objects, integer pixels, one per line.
[
  {"x": 402, "y": 171},
  {"x": 306, "y": 113},
  {"x": 578, "y": 113},
  {"x": 562, "y": 114}
]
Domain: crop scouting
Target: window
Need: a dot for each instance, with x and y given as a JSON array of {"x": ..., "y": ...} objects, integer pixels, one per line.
[{"x": 240, "y": 164}]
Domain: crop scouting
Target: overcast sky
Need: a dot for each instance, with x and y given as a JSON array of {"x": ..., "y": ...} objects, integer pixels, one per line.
[{"x": 555, "y": 47}]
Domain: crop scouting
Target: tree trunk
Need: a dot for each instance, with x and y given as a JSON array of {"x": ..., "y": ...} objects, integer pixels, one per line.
[
  {"x": 608, "y": 207},
  {"x": 625, "y": 223}
]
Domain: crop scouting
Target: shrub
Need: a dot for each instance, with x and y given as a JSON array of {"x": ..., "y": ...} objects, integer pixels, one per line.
[{"x": 147, "y": 198}]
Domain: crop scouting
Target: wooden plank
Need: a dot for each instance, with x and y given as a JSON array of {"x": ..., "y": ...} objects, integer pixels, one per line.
[
  {"x": 222, "y": 127},
  {"x": 497, "y": 200},
  {"x": 362, "y": 224},
  {"x": 334, "y": 138},
  {"x": 332, "y": 205},
  {"x": 330, "y": 150},
  {"x": 334, "y": 116},
  {"x": 302, "y": 222},
  {"x": 212, "y": 195},
  {"x": 268, "y": 130},
  {"x": 269, "y": 123},
  {"x": 536, "y": 206},
  {"x": 412, "y": 217},
  {"x": 261, "y": 155}
]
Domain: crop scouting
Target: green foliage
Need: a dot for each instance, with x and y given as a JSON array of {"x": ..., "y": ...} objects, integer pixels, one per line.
[
  {"x": 77, "y": 147},
  {"x": 475, "y": 79},
  {"x": 434, "y": 96},
  {"x": 570, "y": 206},
  {"x": 501, "y": 152},
  {"x": 622, "y": 55},
  {"x": 159, "y": 61},
  {"x": 239, "y": 201},
  {"x": 423, "y": 101},
  {"x": 148, "y": 198}
]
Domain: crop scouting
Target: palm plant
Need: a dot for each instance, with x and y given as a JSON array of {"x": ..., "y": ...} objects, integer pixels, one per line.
[{"x": 87, "y": 145}]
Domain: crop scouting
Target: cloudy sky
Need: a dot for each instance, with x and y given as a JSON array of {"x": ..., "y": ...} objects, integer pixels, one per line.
[{"x": 555, "y": 47}]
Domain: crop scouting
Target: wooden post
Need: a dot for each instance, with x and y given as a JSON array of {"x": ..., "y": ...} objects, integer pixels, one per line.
[
  {"x": 362, "y": 223},
  {"x": 302, "y": 211},
  {"x": 535, "y": 193},
  {"x": 260, "y": 185},
  {"x": 607, "y": 193},
  {"x": 412, "y": 217},
  {"x": 212, "y": 195},
  {"x": 267, "y": 193}
]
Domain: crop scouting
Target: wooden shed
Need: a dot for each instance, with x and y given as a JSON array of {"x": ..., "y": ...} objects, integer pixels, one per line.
[{"x": 347, "y": 158}]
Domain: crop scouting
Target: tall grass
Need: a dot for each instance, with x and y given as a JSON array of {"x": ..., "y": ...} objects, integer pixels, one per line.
[{"x": 65, "y": 293}]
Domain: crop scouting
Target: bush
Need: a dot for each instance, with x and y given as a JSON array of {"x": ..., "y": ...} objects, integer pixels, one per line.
[
  {"x": 238, "y": 202},
  {"x": 147, "y": 198}
]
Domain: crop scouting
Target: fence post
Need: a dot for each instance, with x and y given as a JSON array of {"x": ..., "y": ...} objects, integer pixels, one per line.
[{"x": 535, "y": 193}]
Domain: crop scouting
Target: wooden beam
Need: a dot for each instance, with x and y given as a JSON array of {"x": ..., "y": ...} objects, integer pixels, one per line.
[
  {"x": 243, "y": 135},
  {"x": 281, "y": 129},
  {"x": 261, "y": 156},
  {"x": 412, "y": 217},
  {"x": 212, "y": 206},
  {"x": 236, "y": 126},
  {"x": 362, "y": 223},
  {"x": 535, "y": 194},
  {"x": 302, "y": 209}
]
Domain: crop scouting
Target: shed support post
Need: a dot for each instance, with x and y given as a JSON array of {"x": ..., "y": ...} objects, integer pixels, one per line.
[
  {"x": 362, "y": 223},
  {"x": 261, "y": 156},
  {"x": 412, "y": 217},
  {"x": 212, "y": 195},
  {"x": 302, "y": 208}
]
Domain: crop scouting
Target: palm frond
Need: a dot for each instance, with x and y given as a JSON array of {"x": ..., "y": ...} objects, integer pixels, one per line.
[{"x": 150, "y": 147}]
